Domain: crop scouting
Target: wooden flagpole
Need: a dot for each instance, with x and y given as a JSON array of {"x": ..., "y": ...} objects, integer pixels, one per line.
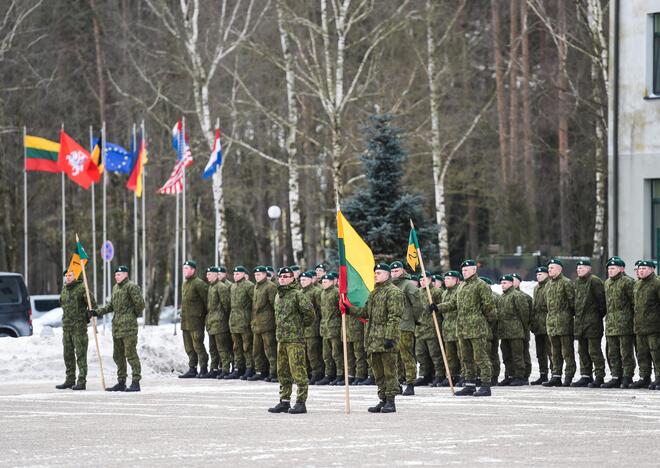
[{"x": 435, "y": 319}]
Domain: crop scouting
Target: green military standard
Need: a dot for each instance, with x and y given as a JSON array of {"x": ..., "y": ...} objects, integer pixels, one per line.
[
  {"x": 312, "y": 333},
  {"x": 384, "y": 309},
  {"x": 538, "y": 325},
  {"x": 560, "y": 301},
  {"x": 451, "y": 280},
  {"x": 217, "y": 324},
  {"x": 73, "y": 300},
  {"x": 293, "y": 313},
  {"x": 241, "y": 293},
  {"x": 512, "y": 313},
  {"x": 194, "y": 303},
  {"x": 333, "y": 355},
  {"x": 646, "y": 324},
  {"x": 126, "y": 304},
  {"x": 263, "y": 327},
  {"x": 427, "y": 348},
  {"x": 590, "y": 309},
  {"x": 620, "y": 300}
]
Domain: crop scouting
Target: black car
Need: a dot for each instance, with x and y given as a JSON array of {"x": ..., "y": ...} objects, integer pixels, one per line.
[{"x": 15, "y": 312}]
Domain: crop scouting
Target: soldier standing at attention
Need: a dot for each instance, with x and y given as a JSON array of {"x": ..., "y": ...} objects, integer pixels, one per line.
[
  {"x": 620, "y": 300},
  {"x": 222, "y": 276},
  {"x": 293, "y": 312},
  {"x": 211, "y": 280},
  {"x": 127, "y": 304},
  {"x": 333, "y": 355},
  {"x": 517, "y": 279},
  {"x": 217, "y": 324},
  {"x": 538, "y": 326},
  {"x": 512, "y": 312},
  {"x": 451, "y": 281},
  {"x": 357, "y": 357},
  {"x": 74, "y": 331},
  {"x": 560, "y": 300},
  {"x": 241, "y": 293},
  {"x": 312, "y": 333},
  {"x": 194, "y": 300},
  {"x": 493, "y": 341},
  {"x": 647, "y": 324},
  {"x": 263, "y": 327},
  {"x": 427, "y": 348}
]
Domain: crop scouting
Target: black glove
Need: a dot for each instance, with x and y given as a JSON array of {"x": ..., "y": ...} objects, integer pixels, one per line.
[
  {"x": 432, "y": 308},
  {"x": 91, "y": 313},
  {"x": 388, "y": 344}
]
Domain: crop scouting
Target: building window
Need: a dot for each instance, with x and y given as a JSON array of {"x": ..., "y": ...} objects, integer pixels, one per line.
[
  {"x": 656, "y": 54},
  {"x": 655, "y": 218}
]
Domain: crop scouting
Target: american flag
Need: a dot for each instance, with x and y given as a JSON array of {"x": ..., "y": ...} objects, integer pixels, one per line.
[
  {"x": 174, "y": 184},
  {"x": 180, "y": 144}
]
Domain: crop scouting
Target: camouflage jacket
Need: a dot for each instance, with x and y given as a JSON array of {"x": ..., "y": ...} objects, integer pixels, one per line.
[
  {"x": 425, "y": 330},
  {"x": 127, "y": 304},
  {"x": 539, "y": 310},
  {"x": 530, "y": 306},
  {"x": 354, "y": 329},
  {"x": 241, "y": 294},
  {"x": 647, "y": 305},
  {"x": 589, "y": 307},
  {"x": 620, "y": 300},
  {"x": 313, "y": 293},
  {"x": 449, "y": 315},
  {"x": 330, "y": 313},
  {"x": 73, "y": 300},
  {"x": 217, "y": 320},
  {"x": 293, "y": 312},
  {"x": 512, "y": 314},
  {"x": 475, "y": 308},
  {"x": 560, "y": 301},
  {"x": 194, "y": 300},
  {"x": 263, "y": 307},
  {"x": 384, "y": 309},
  {"x": 413, "y": 306}
]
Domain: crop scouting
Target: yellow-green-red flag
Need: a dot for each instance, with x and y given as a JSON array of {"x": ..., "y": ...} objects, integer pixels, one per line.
[
  {"x": 413, "y": 246},
  {"x": 356, "y": 265}
]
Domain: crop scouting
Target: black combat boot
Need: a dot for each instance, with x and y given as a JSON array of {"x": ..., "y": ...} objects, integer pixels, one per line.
[
  {"x": 505, "y": 382},
  {"x": 65, "y": 385},
  {"x": 597, "y": 382},
  {"x": 400, "y": 390},
  {"x": 235, "y": 374},
  {"x": 357, "y": 381},
  {"x": 389, "y": 406},
  {"x": 351, "y": 380},
  {"x": 484, "y": 390},
  {"x": 192, "y": 372},
  {"x": 325, "y": 380},
  {"x": 444, "y": 383},
  {"x": 119, "y": 387},
  {"x": 339, "y": 381},
  {"x": 460, "y": 382},
  {"x": 368, "y": 381},
  {"x": 493, "y": 381},
  {"x": 315, "y": 378},
  {"x": 221, "y": 374},
  {"x": 255, "y": 377},
  {"x": 135, "y": 386},
  {"x": 248, "y": 373},
  {"x": 478, "y": 382},
  {"x": 542, "y": 378},
  {"x": 80, "y": 386},
  {"x": 409, "y": 391},
  {"x": 614, "y": 383},
  {"x": 212, "y": 374},
  {"x": 468, "y": 390},
  {"x": 567, "y": 381},
  {"x": 643, "y": 382},
  {"x": 203, "y": 373},
  {"x": 282, "y": 407},
  {"x": 555, "y": 381},
  {"x": 436, "y": 382},
  {"x": 298, "y": 408},
  {"x": 626, "y": 382},
  {"x": 584, "y": 381},
  {"x": 272, "y": 378},
  {"x": 518, "y": 382},
  {"x": 377, "y": 408},
  {"x": 653, "y": 386},
  {"x": 422, "y": 381}
]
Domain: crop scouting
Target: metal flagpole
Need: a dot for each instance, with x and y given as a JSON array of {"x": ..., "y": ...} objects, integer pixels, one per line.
[
  {"x": 25, "y": 211},
  {"x": 91, "y": 145},
  {"x": 106, "y": 272},
  {"x": 217, "y": 125},
  {"x": 135, "y": 219},
  {"x": 63, "y": 220},
  {"x": 176, "y": 264},
  {"x": 144, "y": 229},
  {"x": 183, "y": 199}
]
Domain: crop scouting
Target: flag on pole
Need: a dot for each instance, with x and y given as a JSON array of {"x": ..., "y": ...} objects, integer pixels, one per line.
[
  {"x": 356, "y": 265},
  {"x": 76, "y": 162},
  {"x": 216, "y": 157},
  {"x": 78, "y": 260},
  {"x": 135, "y": 180},
  {"x": 41, "y": 154},
  {"x": 174, "y": 184},
  {"x": 413, "y": 246},
  {"x": 117, "y": 159},
  {"x": 97, "y": 155},
  {"x": 180, "y": 144}
]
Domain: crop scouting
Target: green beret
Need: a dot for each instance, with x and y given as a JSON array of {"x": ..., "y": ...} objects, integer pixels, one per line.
[
  {"x": 506, "y": 278},
  {"x": 614, "y": 257},
  {"x": 190, "y": 263},
  {"x": 426, "y": 274},
  {"x": 284, "y": 270},
  {"x": 382, "y": 266},
  {"x": 122, "y": 269},
  {"x": 240, "y": 269},
  {"x": 645, "y": 263},
  {"x": 453, "y": 273},
  {"x": 260, "y": 269},
  {"x": 555, "y": 261},
  {"x": 515, "y": 276},
  {"x": 414, "y": 277},
  {"x": 222, "y": 269},
  {"x": 322, "y": 266},
  {"x": 541, "y": 269},
  {"x": 468, "y": 263},
  {"x": 396, "y": 264},
  {"x": 328, "y": 277},
  {"x": 65, "y": 272},
  {"x": 213, "y": 269},
  {"x": 308, "y": 274},
  {"x": 294, "y": 267},
  {"x": 584, "y": 262},
  {"x": 487, "y": 280},
  {"x": 437, "y": 277},
  {"x": 616, "y": 261},
  {"x": 270, "y": 269},
  {"x": 334, "y": 275}
]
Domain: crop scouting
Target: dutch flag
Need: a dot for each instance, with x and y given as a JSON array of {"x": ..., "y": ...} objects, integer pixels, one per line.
[{"x": 216, "y": 157}]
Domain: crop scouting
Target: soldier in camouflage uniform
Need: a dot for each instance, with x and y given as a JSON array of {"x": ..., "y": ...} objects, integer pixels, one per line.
[
  {"x": 194, "y": 301},
  {"x": 211, "y": 279},
  {"x": 312, "y": 334},
  {"x": 560, "y": 301},
  {"x": 451, "y": 281},
  {"x": 241, "y": 293},
  {"x": 538, "y": 325},
  {"x": 646, "y": 324},
  {"x": 357, "y": 356},
  {"x": 321, "y": 270},
  {"x": 217, "y": 324},
  {"x": 293, "y": 313},
  {"x": 127, "y": 304},
  {"x": 333, "y": 355},
  {"x": 263, "y": 327},
  {"x": 620, "y": 299},
  {"x": 411, "y": 315},
  {"x": 588, "y": 324},
  {"x": 427, "y": 348},
  {"x": 383, "y": 310},
  {"x": 222, "y": 276},
  {"x": 512, "y": 313},
  {"x": 73, "y": 300},
  {"x": 493, "y": 341},
  {"x": 517, "y": 279}
]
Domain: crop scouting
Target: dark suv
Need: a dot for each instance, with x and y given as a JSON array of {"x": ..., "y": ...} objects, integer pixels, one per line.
[{"x": 15, "y": 312}]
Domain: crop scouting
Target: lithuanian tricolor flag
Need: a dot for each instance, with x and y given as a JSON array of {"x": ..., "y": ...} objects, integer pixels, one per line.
[
  {"x": 41, "y": 154},
  {"x": 356, "y": 264}
]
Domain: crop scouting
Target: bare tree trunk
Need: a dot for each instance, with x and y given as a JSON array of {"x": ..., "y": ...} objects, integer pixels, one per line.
[
  {"x": 499, "y": 83},
  {"x": 513, "y": 91},
  {"x": 564, "y": 174},
  {"x": 528, "y": 154}
]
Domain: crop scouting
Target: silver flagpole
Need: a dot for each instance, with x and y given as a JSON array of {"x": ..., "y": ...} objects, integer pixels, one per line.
[
  {"x": 25, "y": 211},
  {"x": 136, "y": 254},
  {"x": 94, "y": 254},
  {"x": 176, "y": 264},
  {"x": 63, "y": 221},
  {"x": 106, "y": 265},
  {"x": 144, "y": 229},
  {"x": 217, "y": 125},
  {"x": 183, "y": 218}
]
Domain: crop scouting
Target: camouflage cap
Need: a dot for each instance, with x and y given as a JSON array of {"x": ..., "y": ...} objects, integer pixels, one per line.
[
  {"x": 382, "y": 266},
  {"x": 396, "y": 264},
  {"x": 487, "y": 280},
  {"x": 616, "y": 261},
  {"x": 506, "y": 278},
  {"x": 468, "y": 263},
  {"x": 582, "y": 261},
  {"x": 541, "y": 269},
  {"x": 190, "y": 263},
  {"x": 284, "y": 271},
  {"x": 555, "y": 261},
  {"x": 240, "y": 269},
  {"x": 122, "y": 269},
  {"x": 260, "y": 269}
]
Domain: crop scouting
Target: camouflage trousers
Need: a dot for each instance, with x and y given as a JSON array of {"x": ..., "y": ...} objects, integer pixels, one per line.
[
  {"x": 264, "y": 352},
  {"x": 621, "y": 355},
  {"x": 242, "y": 347},
  {"x": 75, "y": 352},
  {"x": 475, "y": 355},
  {"x": 193, "y": 344},
  {"x": 384, "y": 366},
  {"x": 494, "y": 356},
  {"x": 220, "y": 351},
  {"x": 591, "y": 356},
  {"x": 527, "y": 356},
  {"x": 513, "y": 357},
  {"x": 357, "y": 360},
  {"x": 124, "y": 350},
  {"x": 291, "y": 366},
  {"x": 648, "y": 352},
  {"x": 333, "y": 357},
  {"x": 407, "y": 365},
  {"x": 563, "y": 351},
  {"x": 314, "y": 348},
  {"x": 543, "y": 352},
  {"x": 453, "y": 357},
  {"x": 430, "y": 358}
]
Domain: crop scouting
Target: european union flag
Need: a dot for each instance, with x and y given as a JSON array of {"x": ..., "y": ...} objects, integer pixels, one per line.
[{"x": 117, "y": 159}]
